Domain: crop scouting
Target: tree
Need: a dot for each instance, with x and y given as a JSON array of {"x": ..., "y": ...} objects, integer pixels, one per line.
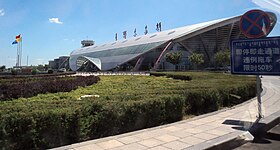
[
  {"x": 196, "y": 59},
  {"x": 173, "y": 57},
  {"x": 2, "y": 68},
  {"x": 222, "y": 58}
]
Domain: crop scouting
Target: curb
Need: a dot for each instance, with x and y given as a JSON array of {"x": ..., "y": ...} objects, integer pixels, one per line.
[
  {"x": 265, "y": 124},
  {"x": 239, "y": 138}
]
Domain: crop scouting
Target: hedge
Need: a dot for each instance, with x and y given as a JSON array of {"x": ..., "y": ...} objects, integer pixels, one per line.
[
  {"x": 126, "y": 103},
  {"x": 28, "y": 87}
]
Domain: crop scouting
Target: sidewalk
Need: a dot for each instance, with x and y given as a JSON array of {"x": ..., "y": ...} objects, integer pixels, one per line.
[{"x": 201, "y": 132}]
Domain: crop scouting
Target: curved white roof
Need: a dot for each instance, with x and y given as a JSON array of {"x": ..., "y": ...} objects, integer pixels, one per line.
[
  {"x": 149, "y": 38},
  {"x": 115, "y": 53}
]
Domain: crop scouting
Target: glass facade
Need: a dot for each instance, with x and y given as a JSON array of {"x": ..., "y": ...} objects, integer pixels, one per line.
[{"x": 136, "y": 49}]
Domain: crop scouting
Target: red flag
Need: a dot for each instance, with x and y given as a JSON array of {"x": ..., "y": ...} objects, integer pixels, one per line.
[{"x": 18, "y": 36}]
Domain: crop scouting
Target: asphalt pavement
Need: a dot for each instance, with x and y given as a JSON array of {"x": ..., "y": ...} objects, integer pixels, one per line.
[{"x": 269, "y": 140}]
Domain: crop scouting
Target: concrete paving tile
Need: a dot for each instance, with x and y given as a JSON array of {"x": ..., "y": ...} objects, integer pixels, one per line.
[
  {"x": 185, "y": 125},
  {"x": 207, "y": 119},
  {"x": 226, "y": 128},
  {"x": 215, "y": 124},
  {"x": 160, "y": 148},
  {"x": 205, "y": 136},
  {"x": 159, "y": 132},
  {"x": 167, "y": 138},
  {"x": 151, "y": 142},
  {"x": 224, "y": 114},
  {"x": 205, "y": 127},
  {"x": 172, "y": 128},
  {"x": 176, "y": 145},
  {"x": 133, "y": 146},
  {"x": 195, "y": 122},
  {"x": 191, "y": 140},
  {"x": 217, "y": 132},
  {"x": 129, "y": 139},
  {"x": 89, "y": 147},
  {"x": 110, "y": 144},
  {"x": 145, "y": 135},
  {"x": 181, "y": 134},
  {"x": 193, "y": 130}
]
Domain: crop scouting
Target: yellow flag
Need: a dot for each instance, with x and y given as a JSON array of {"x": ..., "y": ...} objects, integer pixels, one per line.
[{"x": 19, "y": 39}]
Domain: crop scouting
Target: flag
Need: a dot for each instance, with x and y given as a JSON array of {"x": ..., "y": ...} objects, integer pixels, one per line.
[
  {"x": 15, "y": 42},
  {"x": 18, "y": 36},
  {"x": 19, "y": 39}
]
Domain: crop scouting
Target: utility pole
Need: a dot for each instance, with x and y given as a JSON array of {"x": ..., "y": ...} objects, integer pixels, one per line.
[{"x": 27, "y": 61}]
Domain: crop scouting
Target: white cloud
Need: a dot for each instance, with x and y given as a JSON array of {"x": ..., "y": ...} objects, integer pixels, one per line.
[
  {"x": 2, "y": 13},
  {"x": 55, "y": 20},
  {"x": 269, "y": 4},
  {"x": 72, "y": 40}
]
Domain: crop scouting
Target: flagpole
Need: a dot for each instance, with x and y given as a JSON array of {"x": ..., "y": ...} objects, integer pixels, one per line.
[
  {"x": 20, "y": 49},
  {"x": 17, "y": 56}
]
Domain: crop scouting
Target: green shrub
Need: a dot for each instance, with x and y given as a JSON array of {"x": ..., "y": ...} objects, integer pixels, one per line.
[
  {"x": 26, "y": 87},
  {"x": 124, "y": 103},
  {"x": 172, "y": 75}
]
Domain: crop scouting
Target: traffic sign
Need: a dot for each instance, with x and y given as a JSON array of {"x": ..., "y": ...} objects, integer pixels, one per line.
[
  {"x": 255, "y": 24},
  {"x": 256, "y": 56}
]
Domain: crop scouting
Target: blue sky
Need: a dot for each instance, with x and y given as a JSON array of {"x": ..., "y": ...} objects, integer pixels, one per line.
[{"x": 54, "y": 28}]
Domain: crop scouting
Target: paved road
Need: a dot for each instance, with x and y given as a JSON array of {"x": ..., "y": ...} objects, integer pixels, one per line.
[{"x": 271, "y": 140}]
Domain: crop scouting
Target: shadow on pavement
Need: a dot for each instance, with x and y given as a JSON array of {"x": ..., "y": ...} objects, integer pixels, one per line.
[
  {"x": 273, "y": 136},
  {"x": 261, "y": 141},
  {"x": 240, "y": 125}
]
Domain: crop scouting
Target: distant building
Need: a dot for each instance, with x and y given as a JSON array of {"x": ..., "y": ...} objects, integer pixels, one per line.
[
  {"x": 86, "y": 43},
  {"x": 148, "y": 51},
  {"x": 61, "y": 62}
]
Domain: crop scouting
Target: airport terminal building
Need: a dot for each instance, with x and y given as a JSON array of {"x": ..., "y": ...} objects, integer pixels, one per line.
[{"x": 148, "y": 51}]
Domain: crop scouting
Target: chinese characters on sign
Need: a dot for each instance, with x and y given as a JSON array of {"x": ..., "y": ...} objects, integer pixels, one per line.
[{"x": 256, "y": 56}]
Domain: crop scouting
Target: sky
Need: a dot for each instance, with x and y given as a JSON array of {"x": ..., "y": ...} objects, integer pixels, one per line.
[{"x": 53, "y": 28}]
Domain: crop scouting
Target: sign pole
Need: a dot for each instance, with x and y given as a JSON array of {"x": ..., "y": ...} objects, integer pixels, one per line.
[
  {"x": 259, "y": 97},
  {"x": 256, "y": 56}
]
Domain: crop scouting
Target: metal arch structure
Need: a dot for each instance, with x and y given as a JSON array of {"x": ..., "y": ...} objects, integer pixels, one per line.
[
  {"x": 81, "y": 60},
  {"x": 206, "y": 38}
]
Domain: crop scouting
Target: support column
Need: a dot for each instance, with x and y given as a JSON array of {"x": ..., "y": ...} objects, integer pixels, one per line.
[
  {"x": 204, "y": 47},
  {"x": 161, "y": 54},
  {"x": 138, "y": 63}
]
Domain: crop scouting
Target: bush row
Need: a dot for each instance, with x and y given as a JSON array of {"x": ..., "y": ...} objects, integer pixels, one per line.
[
  {"x": 173, "y": 76},
  {"x": 42, "y": 129},
  {"x": 8, "y": 76},
  {"x": 27, "y": 87},
  {"x": 125, "y": 104}
]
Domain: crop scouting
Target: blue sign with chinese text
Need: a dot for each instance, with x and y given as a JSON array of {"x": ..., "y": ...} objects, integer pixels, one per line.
[{"x": 255, "y": 56}]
